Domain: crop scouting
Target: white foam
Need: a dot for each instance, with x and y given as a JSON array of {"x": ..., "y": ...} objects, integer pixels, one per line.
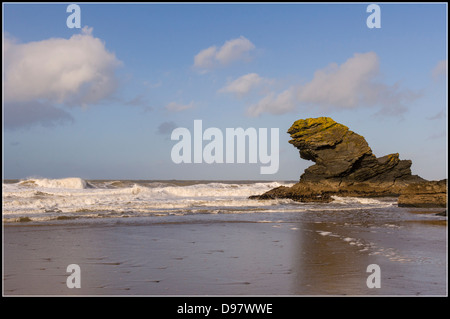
[
  {"x": 68, "y": 183},
  {"x": 217, "y": 190},
  {"x": 36, "y": 197},
  {"x": 75, "y": 196},
  {"x": 360, "y": 200}
]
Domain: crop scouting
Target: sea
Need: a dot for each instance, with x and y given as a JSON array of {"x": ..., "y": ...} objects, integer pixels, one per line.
[
  {"x": 42, "y": 200},
  {"x": 410, "y": 244}
]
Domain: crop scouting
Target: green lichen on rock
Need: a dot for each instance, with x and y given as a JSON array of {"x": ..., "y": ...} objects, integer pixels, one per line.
[
  {"x": 315, "y": 133},
  {"x": 311, "y": 126},
  {"x": 344, "y": 164}
]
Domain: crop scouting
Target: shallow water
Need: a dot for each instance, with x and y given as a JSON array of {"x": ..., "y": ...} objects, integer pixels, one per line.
[{"x": 207, "y": 238}]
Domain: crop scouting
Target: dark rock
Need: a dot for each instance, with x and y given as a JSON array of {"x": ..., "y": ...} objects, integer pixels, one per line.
[
  {"x": 301, "y": 193},
  {"x": 424, "y": 194},
  {"x": 344, "y": 165},
  {"x": 444, "y": 213},
  {"x": 342, "y": 155}
]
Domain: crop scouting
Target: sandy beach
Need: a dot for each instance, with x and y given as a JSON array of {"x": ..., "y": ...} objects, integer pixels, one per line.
[
  {"x": 225, "y": 150},
  {"x": 217, "y": 257}
]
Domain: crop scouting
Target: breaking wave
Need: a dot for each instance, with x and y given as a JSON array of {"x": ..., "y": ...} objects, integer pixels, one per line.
[
  {"x": 69, "y": 183},
  {"x": 42, "y": 199}
]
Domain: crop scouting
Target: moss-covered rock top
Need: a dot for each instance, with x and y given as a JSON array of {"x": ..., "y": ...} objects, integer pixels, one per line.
[
  {"x": 317, "y": 132},
  {"x": 311, "y": 125}
]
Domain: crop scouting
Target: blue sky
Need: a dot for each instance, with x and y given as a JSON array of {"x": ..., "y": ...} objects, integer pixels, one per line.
[{"x": 101, "y": 101}]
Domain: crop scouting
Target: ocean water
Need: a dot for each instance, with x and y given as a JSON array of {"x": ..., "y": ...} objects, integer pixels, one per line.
[
  {"x": 273, "y": 246},
  {"x": 74, "y": 200},
  {"x": 77, "y": 200}
]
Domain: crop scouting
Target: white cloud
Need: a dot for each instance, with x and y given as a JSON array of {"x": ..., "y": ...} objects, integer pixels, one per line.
[
  {"x": 440, "y": 70},
  {"x": 349, "y": 85},
  {"x": 78, "y": 70},
  {"x": 230, "y": 51},
  {"x": 41, "y": 76},
  {"x": 178, "y": 107},
  {"x": 233, "y": 50},
  {"x": 205, "y": 59},
  {"x": 244, "y": 84},
  {"x": 283, "y": 102},
  {"x": 343, "y": 86}
]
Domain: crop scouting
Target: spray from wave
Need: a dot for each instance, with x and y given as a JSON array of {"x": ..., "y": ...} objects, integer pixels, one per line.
[
  {"x": 70, "y": 183},
  {"x": 42, "y": 199}
]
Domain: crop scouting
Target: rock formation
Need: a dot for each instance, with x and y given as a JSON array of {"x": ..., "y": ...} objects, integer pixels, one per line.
[
  {"x": 424, "y": 194},
  {"x": 342, "y": 155},
  {"x": 344, "y": 165}
]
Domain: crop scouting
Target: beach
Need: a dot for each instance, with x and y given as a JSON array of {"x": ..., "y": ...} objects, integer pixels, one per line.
[
  {"x": 313, "y": 251},
  {"x": 225, "y": 150}
]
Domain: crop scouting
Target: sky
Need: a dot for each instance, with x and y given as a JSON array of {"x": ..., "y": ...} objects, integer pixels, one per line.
[{"x": 101, "y": 101}]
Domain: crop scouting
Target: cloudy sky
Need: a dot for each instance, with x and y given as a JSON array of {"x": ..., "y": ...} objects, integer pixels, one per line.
[{"x": 101, "y": 101}]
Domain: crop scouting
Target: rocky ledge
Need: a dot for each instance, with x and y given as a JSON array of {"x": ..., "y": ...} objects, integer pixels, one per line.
[
  {"x": 424, "y": 194},
  {"x": 345, "y": 166}
]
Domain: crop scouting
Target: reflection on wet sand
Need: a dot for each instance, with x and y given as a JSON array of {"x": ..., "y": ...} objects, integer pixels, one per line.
[
  {"x": 333, "y": 257},
  {"x": 327, "y": 263},
  {"x": 311, "y": 254}
]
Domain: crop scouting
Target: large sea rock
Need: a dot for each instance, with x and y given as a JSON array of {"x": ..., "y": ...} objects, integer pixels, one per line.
[
  {"x": 342, "y": 155},
  {"x": 344, "y": 165}
]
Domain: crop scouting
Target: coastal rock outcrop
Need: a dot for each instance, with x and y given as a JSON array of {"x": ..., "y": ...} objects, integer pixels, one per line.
[
  {"x": 344, "y": 165},
  {"x": 344, "y": 156},
  {"x": 424, "y": 194}
]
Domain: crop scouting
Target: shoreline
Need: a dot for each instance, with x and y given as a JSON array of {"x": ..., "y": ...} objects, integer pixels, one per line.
[{"x": 282, "y": 258}]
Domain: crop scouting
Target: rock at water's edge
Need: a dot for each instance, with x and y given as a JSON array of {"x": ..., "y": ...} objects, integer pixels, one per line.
[
  {"x": 424, "y": 194},
  {"x": 344, "y": 166},
  {"x": 344, "y": 156}
]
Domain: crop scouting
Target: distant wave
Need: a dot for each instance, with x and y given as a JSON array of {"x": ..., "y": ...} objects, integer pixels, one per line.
[
  {"x": 212, "y": 190},
  {"x": 69, "y": 183}
]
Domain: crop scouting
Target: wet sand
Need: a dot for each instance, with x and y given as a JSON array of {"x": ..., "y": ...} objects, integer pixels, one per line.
[{"x": 224, "y": 258}]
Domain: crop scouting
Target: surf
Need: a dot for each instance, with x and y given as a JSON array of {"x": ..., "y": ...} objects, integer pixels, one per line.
[{"x": 66, "y": 183}]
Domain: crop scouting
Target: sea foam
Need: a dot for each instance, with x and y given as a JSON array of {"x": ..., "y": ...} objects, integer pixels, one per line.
[
  {"x": 47, "y": 199},
  {"x": 70, "y": 183}
]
